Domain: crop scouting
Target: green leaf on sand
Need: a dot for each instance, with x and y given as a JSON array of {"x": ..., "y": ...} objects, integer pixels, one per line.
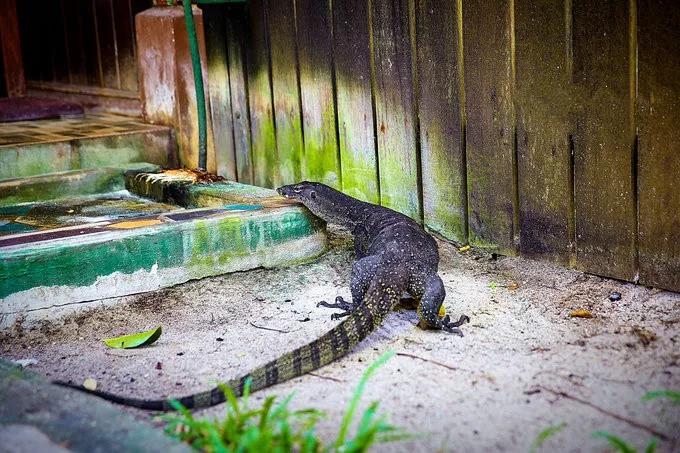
[{"x": 134, "y": 340}]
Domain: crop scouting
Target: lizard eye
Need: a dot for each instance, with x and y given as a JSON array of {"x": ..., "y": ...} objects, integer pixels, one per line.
[{"x": 312, "y": 195}]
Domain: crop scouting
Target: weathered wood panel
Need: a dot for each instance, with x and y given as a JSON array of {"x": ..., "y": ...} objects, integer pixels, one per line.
[
  {"x": 285, "y": 88},
  {"x": 320, "y": 160},
  {"x": 73, "y": 37},
  {"x": 659, "y": 143},
  {"x": 440, "y": 117},
  {"x": 123, "y": 22},
  {"x": 395, "y": 107},
  {"x": 487, "y": 38},
  {"x": 543, "y": 76},
  {"x": 263, "y": 134},
  {"x": 106, "y": 43},
  {"x": 218, "y": 89},
  {"x": 10, "y": 49},
  {"x": 604, "y": 138},
  {"x": 356, "y": 127},
  {"x": 240, "y": 116}
]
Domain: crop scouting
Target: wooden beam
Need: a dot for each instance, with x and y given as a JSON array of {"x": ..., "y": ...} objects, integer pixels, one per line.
[{"x": 11, "y": 49}]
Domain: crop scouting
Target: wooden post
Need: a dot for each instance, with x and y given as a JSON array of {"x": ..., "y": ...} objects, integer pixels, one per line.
[{"x": 11, "y": 49}]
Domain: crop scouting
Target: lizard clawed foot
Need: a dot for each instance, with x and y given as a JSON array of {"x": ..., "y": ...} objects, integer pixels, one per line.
[
  {"x": 335, "y": 316},
  {"x": 452, "y": 327},
  {"x": 339, "y": 303}
]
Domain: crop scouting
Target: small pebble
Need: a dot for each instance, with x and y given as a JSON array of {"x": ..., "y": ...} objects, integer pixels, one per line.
[
  {"x": 614, "y": 296},
  {"x": 159, "y": 366},
  {"x": 219, "y": 339}
]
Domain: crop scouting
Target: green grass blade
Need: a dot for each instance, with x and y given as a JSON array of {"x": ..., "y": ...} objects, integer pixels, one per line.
[
  {"x": 615, "y": 441},
  {"x": 349, "y": 414},
  {"x": 673, "y": 395},
  {"x": 545, "y": 435}
]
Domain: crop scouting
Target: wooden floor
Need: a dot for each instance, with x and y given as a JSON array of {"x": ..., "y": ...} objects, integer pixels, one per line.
[{"x": 55, "y": 130}]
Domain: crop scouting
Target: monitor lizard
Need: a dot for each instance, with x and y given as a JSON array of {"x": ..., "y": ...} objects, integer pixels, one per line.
[{"x": 394, "y": 255}]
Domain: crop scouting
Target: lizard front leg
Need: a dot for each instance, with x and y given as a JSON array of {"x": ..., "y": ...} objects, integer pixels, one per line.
[
  {"x": 428, "y": 310},
  {"x": 363, "y": 271}
]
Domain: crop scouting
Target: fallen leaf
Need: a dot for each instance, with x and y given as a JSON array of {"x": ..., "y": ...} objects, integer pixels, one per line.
[
  {"x": 90, "y": 384},
  {"x": 464, "y": 248},
  {"x": 512, "y": 286},
  {"x": 645, "y": 336},
  {"x": 442, "y": 311},
  {"x": 134, "y": 340},
  {"x": 581, "y": 313}
]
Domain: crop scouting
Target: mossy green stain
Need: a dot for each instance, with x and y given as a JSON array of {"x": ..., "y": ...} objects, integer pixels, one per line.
[{"x": 196, "y": 244}]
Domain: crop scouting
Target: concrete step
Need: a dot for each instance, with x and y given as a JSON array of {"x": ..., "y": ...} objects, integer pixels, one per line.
[
  {"x": 48, "y": 146},
  {"x": 209, "y": 229},
  {"x": 68, "y": 183},
  {"x": 37, "y": 416}
]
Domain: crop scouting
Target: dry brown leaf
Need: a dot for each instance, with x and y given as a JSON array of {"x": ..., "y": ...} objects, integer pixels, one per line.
[{"x": 580, "y": 313}]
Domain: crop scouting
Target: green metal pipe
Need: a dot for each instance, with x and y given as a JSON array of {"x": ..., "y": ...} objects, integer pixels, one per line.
[{"x": 198, "y": 82}]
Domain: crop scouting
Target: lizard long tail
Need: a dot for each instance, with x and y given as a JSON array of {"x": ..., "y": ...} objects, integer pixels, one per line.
[{"x": 382, "y": 295}]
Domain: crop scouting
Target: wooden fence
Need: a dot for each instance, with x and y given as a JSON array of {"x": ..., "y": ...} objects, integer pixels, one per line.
[{"x": 549, "y": 129}]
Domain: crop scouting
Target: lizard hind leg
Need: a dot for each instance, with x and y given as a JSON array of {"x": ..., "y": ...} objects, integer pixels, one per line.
[
  {"x": 363, "y": 271},
  {"x": 428, "y": 310}
]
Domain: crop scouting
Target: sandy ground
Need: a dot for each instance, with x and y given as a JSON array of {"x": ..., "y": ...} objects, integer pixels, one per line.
[{"x": 522, "y": 366}]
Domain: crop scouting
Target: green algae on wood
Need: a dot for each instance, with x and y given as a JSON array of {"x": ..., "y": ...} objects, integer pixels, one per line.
[
  {"x": 320, "y": 160},
  {"x": 487, "y": 49},
  {"x": 441, "y": 122},
  {"x": 219, "y": 91},
  {"x": 395, "y": 106},
  {"x": 236, "y": 40},
  {"x": 351, "y": 52},
  {"x": 285, "y": 89},
  {"x": 266, "y": 171}
]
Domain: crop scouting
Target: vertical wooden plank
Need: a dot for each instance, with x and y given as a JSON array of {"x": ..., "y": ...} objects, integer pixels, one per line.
[
  {"x": 659, "y": 143},
  {"x": 239, "y": 93},
  {"x": 604, "y": 139},
  {"x": 314, "y": 27},
  {"x": 75, "y": 42},
  {"x": 214, "y": 23},
  {"x": 106, "y": 43},
  {"x": 54, "y": 15},
  {"x": 543, "y": 65},
  {"x": 127, "y": 65},
  {"x": 91, "y": 53},
  {"x": 285, "y": 88},
  {"x": 263, "y": 134},
  {"x": 395, "y": 107},
  {"x": 356, "y": 127},
  {"x": 439, "y": 114},
  {"x": 489, "y": 129},
  {"x": 13, "y": 66}
]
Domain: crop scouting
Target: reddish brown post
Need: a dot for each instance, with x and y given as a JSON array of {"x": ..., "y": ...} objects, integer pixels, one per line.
[{"x": 11, "y": 49}]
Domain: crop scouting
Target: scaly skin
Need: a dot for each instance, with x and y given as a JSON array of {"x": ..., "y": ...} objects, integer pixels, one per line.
[{"x": 394, "y": 255}]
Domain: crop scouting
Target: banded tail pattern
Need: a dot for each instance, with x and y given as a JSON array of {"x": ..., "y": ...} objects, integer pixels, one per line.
[{"x": 382, "y": 294}]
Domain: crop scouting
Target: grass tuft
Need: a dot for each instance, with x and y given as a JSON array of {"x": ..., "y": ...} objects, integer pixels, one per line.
[
  {"x": 544, "y": 435},
  {"x": 274, "y": 427}
]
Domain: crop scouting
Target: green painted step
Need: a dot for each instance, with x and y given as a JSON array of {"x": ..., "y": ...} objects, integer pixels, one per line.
[
  {"x": 68, "y": 183},
  {"x": 227, "y": 227},
  {"x": 156, "y": 145}
]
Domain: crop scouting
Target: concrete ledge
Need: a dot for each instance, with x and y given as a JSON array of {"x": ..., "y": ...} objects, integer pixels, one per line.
[
  {"x": 37, "y": 416},
  {"x": 67, "y": 184},
  {"x": 112, "y": 262}
]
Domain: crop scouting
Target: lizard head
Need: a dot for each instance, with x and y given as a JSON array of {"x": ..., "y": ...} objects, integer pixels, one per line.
[
  {"x": 326, "y": 202},
  {"x": 303, "y": 192}
]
